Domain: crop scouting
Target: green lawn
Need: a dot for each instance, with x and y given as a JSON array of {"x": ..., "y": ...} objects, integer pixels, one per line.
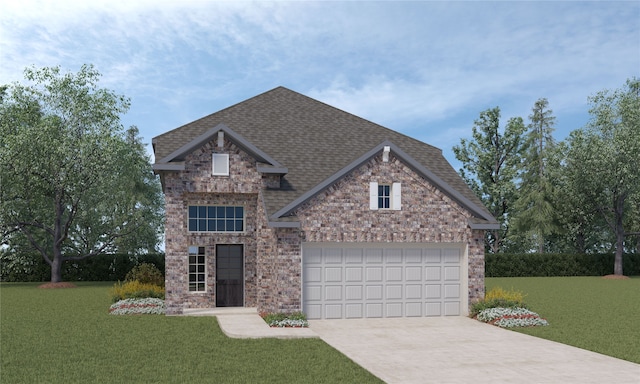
[
  {"x": 67, "y": 336},
  {"x": 587, "y": 312}
]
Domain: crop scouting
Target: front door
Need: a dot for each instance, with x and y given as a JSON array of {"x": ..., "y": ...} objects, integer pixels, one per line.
[{"x": 229, "y": 275}]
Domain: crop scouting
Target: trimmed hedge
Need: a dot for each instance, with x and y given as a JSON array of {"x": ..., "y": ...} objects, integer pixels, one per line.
[
  {"x": 114, "y": 267},
  {"x": 549, "y": 264}
]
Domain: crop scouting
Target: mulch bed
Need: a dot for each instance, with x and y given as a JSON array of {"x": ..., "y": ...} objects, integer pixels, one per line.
[
  {"x": 615, "y": 277},
  {"x": 57, "y": 285}
]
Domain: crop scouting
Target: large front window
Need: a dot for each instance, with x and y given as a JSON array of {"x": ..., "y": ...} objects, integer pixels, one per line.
[{"x": 213, "y": 218}]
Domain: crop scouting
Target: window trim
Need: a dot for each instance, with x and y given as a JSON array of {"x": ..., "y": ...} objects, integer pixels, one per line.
[
  {"x": 395, "y": 196},
  {"x": 223, "y": 161},
  {"x": 216, "y": 220},
  {"x": 197, "y": 252}
]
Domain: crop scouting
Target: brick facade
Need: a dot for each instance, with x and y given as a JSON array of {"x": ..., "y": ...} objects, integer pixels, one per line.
[{"x": 272, "y": 256}]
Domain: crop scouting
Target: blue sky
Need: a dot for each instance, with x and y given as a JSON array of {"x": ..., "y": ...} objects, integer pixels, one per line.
[{"x": 426, "y": 69}]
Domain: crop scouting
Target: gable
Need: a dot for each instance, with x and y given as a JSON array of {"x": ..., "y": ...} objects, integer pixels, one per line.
[{"x": 313, "y": 142}]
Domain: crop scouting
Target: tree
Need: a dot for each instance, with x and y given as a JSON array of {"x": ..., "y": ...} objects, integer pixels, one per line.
[
  {"x": 491, "y": 162},
  {"x": 605, "y": 157},
  {"x": 72, "y": 183},
  {"x": 535, "y": 211}
]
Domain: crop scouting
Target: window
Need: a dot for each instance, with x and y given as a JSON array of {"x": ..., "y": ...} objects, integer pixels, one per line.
[
  {"x": 197, "y": 275},
  {"x": 215, "y": 218},
  {"x": 220, "y": 165},
  {"x": 385, "y": 196}
]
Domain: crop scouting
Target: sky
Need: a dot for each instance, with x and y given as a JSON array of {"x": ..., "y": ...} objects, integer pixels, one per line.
[{"x": 423, "y": 68}]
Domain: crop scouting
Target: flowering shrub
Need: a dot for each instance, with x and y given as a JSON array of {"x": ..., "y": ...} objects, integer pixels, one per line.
[
  {"x": 511, "y": 317},
  {"x": 150, "y": 306},
  {"x": 284, "y": 320},
  {"x": 135, "y": 290}
]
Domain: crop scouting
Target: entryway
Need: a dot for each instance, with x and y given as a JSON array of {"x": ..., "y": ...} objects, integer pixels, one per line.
[{"x": 229, "y": 275}]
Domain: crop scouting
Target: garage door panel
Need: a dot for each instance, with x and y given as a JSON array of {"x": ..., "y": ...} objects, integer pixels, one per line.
[
  {"x": 374, "y": 292},
  {"x": 433, "y": 309},
  {"x": 413, "y": 309},
  {"x": 353, "y": 274},
  {"x": 413, "y": 256},
  {"x": 394, "y": 292},
  {"x": 354, "y": 311},
  {"x": 333, "y": 274},
  {"x": 373, "y": 309},
  {"x": 313, "y": 274},
  {"x": 353, "y": 256},
  {"x": 333, "y": 311},
  {"x": 353, "y": 281},
  {"x": 313, "y": 292},
  {"x": 413, "y": 273},
  {"x": 451, "y": 291},
  {"x": 394, "y": 273},
  {"x": 332, "y": 255},
  {"x": 452, "y": 273},
  {"x": 432, "y": 273},
  {"x": 394, "y": 309},
  {"x": 432, "y": 256},
  {"x": 374, "y": 274},
  {"x": 333, "y": 292},
  {"x": 452, "y": 308},
  {"x": 413, "y": 291},
  {"x": 393, "y": 256},
  {"x": 373, "y": 255},
  {"x": 433, "y": 291},
  {"x": 353, "y": 292}
]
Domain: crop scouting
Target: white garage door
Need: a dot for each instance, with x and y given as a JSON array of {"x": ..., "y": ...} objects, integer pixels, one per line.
[{"x": 359, "y": 280}]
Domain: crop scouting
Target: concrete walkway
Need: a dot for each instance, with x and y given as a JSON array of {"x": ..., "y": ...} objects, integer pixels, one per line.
[
  {"x": 441, "y": 350},
  {"x": 245, "y": 323}
]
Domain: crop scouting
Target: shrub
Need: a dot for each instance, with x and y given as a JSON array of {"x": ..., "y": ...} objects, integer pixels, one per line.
[
  {"x": 499, "y": 298},
  {"x": 138, "y": 307},
  {"x": 281, "y": 320},
  {"x": 145, "y": 273},
  {"x": 511, "y": 317},
  {"x": 135, "y": 290}
]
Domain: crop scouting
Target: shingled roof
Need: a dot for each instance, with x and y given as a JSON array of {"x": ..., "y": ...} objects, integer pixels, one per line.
[{"x": 312, "y": 144}]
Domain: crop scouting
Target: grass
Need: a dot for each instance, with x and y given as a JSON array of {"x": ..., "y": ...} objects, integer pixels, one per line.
[
  {"x": 67, "y": 336},
  {"x": 587, "y": 312}
]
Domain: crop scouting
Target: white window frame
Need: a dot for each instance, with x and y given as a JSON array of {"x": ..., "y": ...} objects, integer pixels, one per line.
[
  {"x": 220, "y": 164},
  {"x": 395, "y": 195},
  {"x": 197, "y": 286}
]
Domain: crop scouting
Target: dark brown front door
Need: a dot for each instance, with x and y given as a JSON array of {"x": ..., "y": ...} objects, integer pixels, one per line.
[{"x": 229, "y": 275}]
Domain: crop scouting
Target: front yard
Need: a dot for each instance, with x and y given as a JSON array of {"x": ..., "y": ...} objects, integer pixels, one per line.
[
  {"x": 592, "y": 313},
  {"x": 67, "y": 336}
]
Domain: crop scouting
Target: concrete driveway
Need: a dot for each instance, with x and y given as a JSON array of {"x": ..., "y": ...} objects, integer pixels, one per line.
[{"x": 462, "y": 350}]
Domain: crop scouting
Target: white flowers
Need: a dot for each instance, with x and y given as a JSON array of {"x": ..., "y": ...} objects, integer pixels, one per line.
[
  {"x": 511, "y": 317},
  {"x": 289, "y": 323},
  {"x": 147, "y": 305}
]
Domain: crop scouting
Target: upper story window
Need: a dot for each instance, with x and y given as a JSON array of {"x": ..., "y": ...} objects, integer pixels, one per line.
[
  {"x": 214, "y": 218},
  {"x": 220, "y": 164},
  {"x": 385, "y": 196}
]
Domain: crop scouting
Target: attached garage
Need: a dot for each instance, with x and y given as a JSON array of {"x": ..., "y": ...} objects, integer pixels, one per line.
[{"x": 377, "y": 280}]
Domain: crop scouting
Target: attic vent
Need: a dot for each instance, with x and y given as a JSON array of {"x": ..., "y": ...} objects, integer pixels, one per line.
[
  {"x": 220, "y": 139},
  {"x": 385, "y": 154}
]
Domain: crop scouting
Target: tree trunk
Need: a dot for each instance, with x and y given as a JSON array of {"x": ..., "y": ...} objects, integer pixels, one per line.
[
  {"x": 56, "y": 262},
  {"x": 619, "y": 211},
  {"x": 56, "y": 269}
]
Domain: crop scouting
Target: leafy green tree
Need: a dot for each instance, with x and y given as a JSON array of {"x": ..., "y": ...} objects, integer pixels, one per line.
[
  {"x": 534, "y": 209},
  {"x": 73, "y": 183},
  {"x": 604, "y": 159},
  {"x": 490, "y": 166}
]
